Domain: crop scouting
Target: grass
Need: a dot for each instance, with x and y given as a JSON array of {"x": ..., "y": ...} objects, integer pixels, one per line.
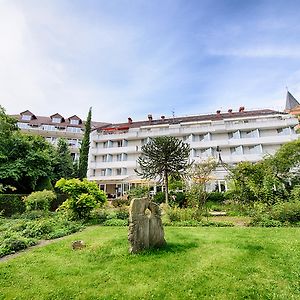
[{"x": 197, "y": 263}]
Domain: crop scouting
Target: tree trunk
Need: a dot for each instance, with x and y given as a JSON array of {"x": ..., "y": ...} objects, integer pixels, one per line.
[{"x": 166, "y": 187}]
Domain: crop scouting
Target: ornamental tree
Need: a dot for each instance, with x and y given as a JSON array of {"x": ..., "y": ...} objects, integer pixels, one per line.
[{"x": 163, "y": 157}]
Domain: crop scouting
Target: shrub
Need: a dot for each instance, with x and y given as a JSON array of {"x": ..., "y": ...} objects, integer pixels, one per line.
[
  {"x": 286, "y": 212},
  {"x": 99, "y": 216},
  {"x": 184, "y": 214},
  {"x": 159, "y": 197},
  {"x": 39, "y": 200},
  {"x": 83, "y": 196},
  {"x": 15, "y": 243},
  {"x": 178, "y": 198},
  {"x": 122, "y": 214},
  {"x": 119, "y": 202},
  {"x": 216, "y": 197},
  {"x": 295, "y": 193},
  {"x": 138, "y": 192},
  {"x": 11, "y": 204}
]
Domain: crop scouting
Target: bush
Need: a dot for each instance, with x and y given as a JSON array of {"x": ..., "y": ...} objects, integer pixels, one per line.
[
  {"x": 177, "y": 198},
  {"x": 11, "y": 204},
  {"x": 119, "y": 202},
  {"x": 159, "y": 197},
  {"x": 183, "y": 214},
  {"x": 286, "y": 212},
  {"x": 39, "y": 200},
  {"x": 138, "y": 192},
  {"x": 295, "y": 193},
  {"x": 83, "y": 196},
  {"x": 216, "y": 197},
  {"x": 122, "y": 214},
  {"x": 15, "y": 243}
]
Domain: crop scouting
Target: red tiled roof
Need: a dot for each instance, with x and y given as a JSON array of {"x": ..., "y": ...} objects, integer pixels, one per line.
[{"x": 197, "y": 118}]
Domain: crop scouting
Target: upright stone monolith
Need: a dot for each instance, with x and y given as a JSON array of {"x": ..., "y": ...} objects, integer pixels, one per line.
[{"x": 145, "y": 230}]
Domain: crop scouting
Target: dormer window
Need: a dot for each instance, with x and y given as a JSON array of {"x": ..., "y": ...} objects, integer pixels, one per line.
[
  {"x": 74, "y": 122},
  {"x": 26, "y": 117},
  {"x": 56, "y": 120}
]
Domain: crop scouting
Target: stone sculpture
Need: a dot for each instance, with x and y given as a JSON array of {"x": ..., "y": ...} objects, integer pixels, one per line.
[{"x": 145, "y": 229}]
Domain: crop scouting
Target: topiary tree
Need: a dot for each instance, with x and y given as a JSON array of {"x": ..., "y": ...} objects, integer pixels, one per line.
[
  {"x": 84, "y": 149},
  {"x": 83, "y": 196},
  {"x": 163, "y": 157}
]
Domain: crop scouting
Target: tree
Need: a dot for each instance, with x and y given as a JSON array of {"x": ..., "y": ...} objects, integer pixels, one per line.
[
  {"x": 163, "y": 157},
  {"x": 63, "y": 165},
  {"x": 200, "y": 175},
  {"x": 84, "y": 150},
  {"x": 25, "y": 160}
]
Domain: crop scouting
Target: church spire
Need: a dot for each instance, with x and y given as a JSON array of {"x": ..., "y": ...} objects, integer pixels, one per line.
[{"x": 291, "y": 102}]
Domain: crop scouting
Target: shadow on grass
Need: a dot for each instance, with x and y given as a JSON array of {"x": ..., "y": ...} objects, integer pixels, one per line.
[{"x": 169, "y": 248}]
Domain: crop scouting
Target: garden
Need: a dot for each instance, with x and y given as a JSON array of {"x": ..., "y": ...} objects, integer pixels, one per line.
[{"x": 238, "y": 244}]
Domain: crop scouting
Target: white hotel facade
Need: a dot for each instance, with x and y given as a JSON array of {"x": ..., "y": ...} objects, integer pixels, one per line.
[{"x": 241, "y": 136}]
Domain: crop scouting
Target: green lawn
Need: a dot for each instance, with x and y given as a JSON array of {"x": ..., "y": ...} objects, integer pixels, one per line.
[{"x": 198, "y": 263}]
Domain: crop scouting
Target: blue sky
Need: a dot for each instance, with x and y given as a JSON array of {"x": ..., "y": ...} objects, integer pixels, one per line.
[{"x": 134, "y": 57}]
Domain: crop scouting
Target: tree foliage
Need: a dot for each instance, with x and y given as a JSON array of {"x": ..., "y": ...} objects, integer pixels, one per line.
[
  {"x": 24, "y": 160},
  {"x": 63, "y": 167},
  {"x": 269, "y": 180},
  {"x": 163, "y": 157},
  {"x": 200, "y": 175},
  {"x": 84, "y": 150}
]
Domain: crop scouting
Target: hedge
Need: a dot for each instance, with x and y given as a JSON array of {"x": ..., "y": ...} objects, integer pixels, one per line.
[{"x": 11, "y": 204}]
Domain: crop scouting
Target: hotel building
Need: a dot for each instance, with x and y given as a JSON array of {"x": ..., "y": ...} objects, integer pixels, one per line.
[
  {"x": 240, "y": 135},
  {"x": 54, "y": 127}
]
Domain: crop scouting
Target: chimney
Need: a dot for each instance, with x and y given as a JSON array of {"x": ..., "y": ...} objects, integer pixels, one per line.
[
  {"x": 241, "y": 109},
  {"x": 129, "y": 120},
  {"x": 150, "y": 117},
  {"x": 218, "y": 112},
  {"x": 230, "y": 110},
  {"x": 163, "y": 117}
]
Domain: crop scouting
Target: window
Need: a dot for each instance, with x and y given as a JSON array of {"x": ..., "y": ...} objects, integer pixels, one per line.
[
  {"x": 118, "y": 171},
  {"x": 283, "y": 131},
  {"x": 102, "y": 172},
  {"x": 119, "y": 143},
  {"x": 124, "y": 155},
  {"x": 119, "y": 157},
  {"x": 73, "y": 129},
  {"x": 104, "y": 158},
  {"x": 105, "y": 144},
  {"x": 108, "y": 172},
  {"x": 49, "y": 127},
  {"x": 124, "y": 171},
  {"x": 22, "y": 125},
  {"x": 56, "y": 120},
  {"x": 236, "y": 150},
  {"x": 234, "y": 135},
  {"x": 74, "y": 122},
  {"x": 26, "y": 117}
]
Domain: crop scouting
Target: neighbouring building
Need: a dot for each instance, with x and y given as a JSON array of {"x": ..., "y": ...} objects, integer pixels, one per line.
[
  {"x": 292, "y": 106},
  {"x": 240, "y": 136},
  {"x": 54, "y": 127}
]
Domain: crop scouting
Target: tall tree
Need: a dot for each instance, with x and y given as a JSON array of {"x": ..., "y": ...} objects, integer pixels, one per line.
[
  {"x": 63, "y": 164},
  {"x": 84, "y": 150},
  {"x": 163, "y": 157}
]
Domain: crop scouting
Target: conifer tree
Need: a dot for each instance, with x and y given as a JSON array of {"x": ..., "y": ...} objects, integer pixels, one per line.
[{"x": 84, "y": 150}]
